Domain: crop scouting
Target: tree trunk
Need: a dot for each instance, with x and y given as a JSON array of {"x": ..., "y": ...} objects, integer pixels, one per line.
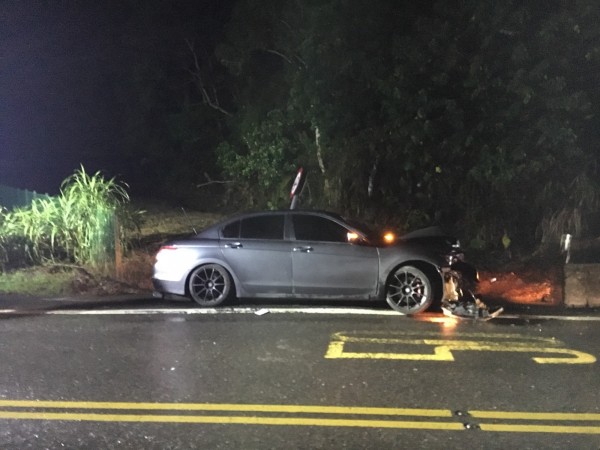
[{"x": 326, "y": 185}]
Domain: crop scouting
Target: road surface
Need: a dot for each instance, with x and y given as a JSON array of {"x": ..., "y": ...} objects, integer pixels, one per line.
[{"x": 266, "y": 377}]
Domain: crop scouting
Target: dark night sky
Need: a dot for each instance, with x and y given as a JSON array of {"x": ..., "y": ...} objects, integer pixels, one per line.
[
  {"x": 60, "y": 61},
  {"x": 54, "y": 110}
]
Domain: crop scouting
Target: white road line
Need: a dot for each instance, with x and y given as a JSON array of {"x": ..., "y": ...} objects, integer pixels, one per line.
[
  {"x": 279, "y": 310},
  {"x": 548, "y": 317},
  {"x": 207, "y": 311}
]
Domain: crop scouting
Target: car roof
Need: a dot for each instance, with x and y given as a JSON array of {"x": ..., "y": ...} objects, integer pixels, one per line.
[
  {"x": 213, "y": 230},
  {"x": 282, "y": 211}
]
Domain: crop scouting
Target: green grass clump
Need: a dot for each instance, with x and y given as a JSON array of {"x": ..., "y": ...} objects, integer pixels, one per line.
[
  {"x": 37, "y": 281},
  {"x": 77, "y": 226}
]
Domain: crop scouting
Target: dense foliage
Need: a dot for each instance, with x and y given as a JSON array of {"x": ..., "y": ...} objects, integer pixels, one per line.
[{"x": 477, "y": 115}]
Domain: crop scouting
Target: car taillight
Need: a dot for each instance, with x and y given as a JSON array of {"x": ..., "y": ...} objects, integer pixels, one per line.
[{"x": 165, "y": 250}]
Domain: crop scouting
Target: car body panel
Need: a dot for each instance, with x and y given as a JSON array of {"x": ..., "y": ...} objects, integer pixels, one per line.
[
  {"x": 287, "y": 267},
  {"x": 264, "y": 267},
  {"x": 335, "y": 269}
]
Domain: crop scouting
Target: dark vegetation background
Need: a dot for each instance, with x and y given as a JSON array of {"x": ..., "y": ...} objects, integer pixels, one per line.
[{"x": 478, "y": 115}]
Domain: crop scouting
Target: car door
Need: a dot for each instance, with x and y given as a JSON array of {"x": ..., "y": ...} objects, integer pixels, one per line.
[
  {"x": 325, "y": 263},
  {"x": 255, "y": 249}
]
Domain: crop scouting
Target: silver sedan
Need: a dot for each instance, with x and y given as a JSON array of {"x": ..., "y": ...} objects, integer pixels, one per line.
[{"x": 305, "y": 254}]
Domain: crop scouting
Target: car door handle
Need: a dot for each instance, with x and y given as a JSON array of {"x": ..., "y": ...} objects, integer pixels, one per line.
[
  {"x": 303, "y": 249},
  {"x": 234, "y": 245}
]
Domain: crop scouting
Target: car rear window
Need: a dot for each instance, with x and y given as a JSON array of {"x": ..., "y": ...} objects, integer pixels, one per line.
[
  {"x": 232, "y": 231},
  {"x": 262, "y": 227}
]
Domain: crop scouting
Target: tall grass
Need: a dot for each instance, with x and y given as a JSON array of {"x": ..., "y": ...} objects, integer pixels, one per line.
[
  {"x": 76, "y": 226},
  {"x": 577, "y": 204}
]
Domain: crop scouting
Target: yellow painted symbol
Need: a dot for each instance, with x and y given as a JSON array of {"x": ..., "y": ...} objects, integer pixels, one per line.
[{"x": 344, "y": 345}]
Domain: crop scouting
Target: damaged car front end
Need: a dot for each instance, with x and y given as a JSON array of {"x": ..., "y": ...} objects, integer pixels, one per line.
[{"x": 460, "y": 278}]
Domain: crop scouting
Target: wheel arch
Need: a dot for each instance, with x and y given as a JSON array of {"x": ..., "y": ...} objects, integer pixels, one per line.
[
  {"x": 432, "y": 271},
  {"x": 234, "y": 279}
]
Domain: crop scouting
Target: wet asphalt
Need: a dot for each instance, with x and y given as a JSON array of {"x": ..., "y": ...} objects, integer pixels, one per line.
[{"x": 138, "y": 372}]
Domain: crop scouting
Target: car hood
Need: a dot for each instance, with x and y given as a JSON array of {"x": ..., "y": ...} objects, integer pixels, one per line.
[
  {"x": 433, "y": 237},
  {"x": 433, "y": 231}
]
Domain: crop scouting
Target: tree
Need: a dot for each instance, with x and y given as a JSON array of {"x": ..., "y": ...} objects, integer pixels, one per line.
[
  {"x": 494, "y": 113},
  {"x": 476, "y": 115},
  {"x": 313, "y": 72},
  {"x": 174, "y": 102}
]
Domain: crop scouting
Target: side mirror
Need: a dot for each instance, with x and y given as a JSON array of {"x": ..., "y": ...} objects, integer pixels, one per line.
[
  {"x": 357, "y": 239},
  {"x": 352, "y": 237}
]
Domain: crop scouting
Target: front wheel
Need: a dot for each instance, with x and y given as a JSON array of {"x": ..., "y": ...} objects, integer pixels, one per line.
[
  {"x": 408, "y": 290},
  {"x": 209, "y": 285}
]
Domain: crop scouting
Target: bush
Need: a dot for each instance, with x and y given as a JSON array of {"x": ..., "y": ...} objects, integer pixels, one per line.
[
  {"x": 14, "y": 252},
  {"x": 77, "y": 226}
]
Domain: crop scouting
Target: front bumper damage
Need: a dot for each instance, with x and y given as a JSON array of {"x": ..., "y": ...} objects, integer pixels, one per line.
[{"x": 459, "y": 297}]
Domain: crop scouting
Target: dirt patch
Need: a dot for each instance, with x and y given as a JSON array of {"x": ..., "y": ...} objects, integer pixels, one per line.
[
  {"x": 527, "y": 285},
  {"x": 137, "y": 268},
  {"x": 84, "y": 282}
]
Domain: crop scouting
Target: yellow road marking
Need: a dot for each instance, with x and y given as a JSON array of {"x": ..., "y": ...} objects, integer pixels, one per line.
[
  {"x": 245, "y": 420},
  {"x": 37, "y": 410},
  {"x": 227, "y": 407},
  {"x": 387, "y": 335},
  {"x": 442, "y": 348},
  {"x": 539, "y": 428},
  {"x": 534, "y": 415}
]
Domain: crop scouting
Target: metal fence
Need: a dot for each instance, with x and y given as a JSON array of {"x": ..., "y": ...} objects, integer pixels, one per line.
[{"x": 11, "y": 197}]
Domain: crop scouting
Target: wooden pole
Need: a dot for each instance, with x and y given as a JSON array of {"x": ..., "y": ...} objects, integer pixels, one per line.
[{"x": 118, "y": 248}]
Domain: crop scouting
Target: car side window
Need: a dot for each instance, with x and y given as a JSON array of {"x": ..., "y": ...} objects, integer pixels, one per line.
[
  {"x": 316, "y": 228},
  {"x": 263, "y": 227},
  {"x": 231, "y": 231}
]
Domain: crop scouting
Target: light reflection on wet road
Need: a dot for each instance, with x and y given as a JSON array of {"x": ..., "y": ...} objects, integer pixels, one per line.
[{"x": 284, "y": 361}]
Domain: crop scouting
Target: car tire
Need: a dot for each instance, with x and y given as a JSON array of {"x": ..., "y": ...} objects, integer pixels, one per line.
[
  {"x": 210, "y": 285},
  {"x": 409, "y": 290}
]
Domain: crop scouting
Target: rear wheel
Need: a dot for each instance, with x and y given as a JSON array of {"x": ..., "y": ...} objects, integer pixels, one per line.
[
  {"x": 409, "y": 290},
  {"x": 209, "y": 285}
]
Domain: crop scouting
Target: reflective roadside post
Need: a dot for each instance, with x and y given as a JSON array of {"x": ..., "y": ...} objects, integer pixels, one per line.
[
  {"x": 297, "y": 187},
  {"x": 565, "y": 246}
]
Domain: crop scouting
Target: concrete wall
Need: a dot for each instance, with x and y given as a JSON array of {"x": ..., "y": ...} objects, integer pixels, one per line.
[{"x": 582, "y": 285}]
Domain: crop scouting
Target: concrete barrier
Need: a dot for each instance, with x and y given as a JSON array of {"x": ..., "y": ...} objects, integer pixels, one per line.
[{"x": 582, "y": 285}]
